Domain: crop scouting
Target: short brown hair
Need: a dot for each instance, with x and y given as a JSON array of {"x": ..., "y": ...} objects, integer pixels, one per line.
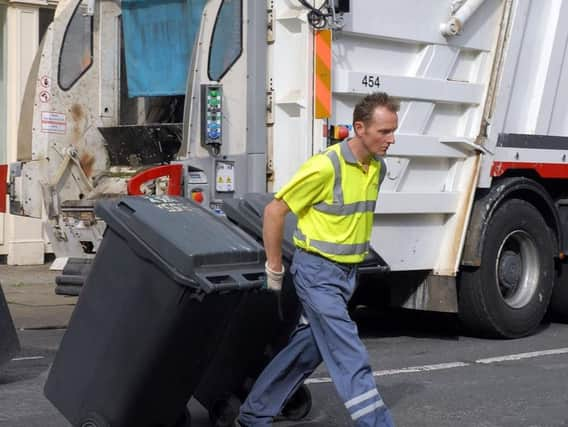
[{"x": 364, "y": 110}]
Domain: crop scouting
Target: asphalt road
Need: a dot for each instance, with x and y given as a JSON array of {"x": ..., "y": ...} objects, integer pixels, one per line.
[{"x": 427, "y": 371}]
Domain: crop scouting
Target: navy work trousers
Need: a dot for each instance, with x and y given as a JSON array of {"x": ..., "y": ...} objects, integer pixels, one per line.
[{"x": 323, "y": 288}]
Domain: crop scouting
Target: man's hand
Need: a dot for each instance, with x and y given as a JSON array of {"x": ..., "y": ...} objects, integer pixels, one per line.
[
  {"x": 274, "y": 278},
  {"x": 272, "y": 234}
]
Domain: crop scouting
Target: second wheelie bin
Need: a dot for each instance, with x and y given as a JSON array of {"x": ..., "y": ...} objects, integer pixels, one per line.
[
  {"x": 165, "y": 281},
  {"x": 261, "y": 326},
  {"x": 259, "y": 329}
]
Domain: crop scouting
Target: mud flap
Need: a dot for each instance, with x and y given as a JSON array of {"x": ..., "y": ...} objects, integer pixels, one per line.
[{"x": 9, "y": 344}]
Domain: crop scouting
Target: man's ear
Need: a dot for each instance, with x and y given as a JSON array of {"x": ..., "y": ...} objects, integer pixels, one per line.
[{"x": 359, "y": 128}]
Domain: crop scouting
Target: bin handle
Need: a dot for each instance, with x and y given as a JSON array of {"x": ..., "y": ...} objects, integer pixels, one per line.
[
  {"x": 237, "y": 280},
  {"x": 128, "y": 209}
]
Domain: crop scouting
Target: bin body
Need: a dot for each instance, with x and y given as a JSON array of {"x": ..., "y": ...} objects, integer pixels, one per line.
[
  {"x": 151, "y": 312},
  {"x": 9, "y": 343}
]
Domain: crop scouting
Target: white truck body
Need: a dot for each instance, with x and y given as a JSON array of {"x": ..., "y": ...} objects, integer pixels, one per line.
[{"x": 481, "y": 84}]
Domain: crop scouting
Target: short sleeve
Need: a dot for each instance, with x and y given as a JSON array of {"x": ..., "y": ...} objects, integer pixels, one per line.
[{"x": 309, "y": 185}]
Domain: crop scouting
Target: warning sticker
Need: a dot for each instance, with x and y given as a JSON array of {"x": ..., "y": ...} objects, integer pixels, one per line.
[
  {"x": 225, "y": 177},
  {"x": 53, "y": 122}
]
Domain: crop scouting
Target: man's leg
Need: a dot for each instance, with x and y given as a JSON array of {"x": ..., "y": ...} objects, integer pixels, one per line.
[
  {"x": 324, "y": 290},
  {"x": 280, "y": 379}
]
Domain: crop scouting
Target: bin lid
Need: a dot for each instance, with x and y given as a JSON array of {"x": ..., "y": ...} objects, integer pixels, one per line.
[
  {"x": 193, "y": 244},
  {"x": 247, "y": 213}
]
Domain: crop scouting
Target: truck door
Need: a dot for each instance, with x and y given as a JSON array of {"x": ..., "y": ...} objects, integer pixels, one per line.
[
  {"x": 72, "y": 90},
  {"x": 225, "y": 118}
]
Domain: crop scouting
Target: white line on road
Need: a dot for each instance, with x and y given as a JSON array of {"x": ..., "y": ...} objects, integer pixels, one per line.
[
  {"x": 523, "y": 355},
  {"x": 411, "y": 369},
  {"x": 19, "y": 359},
  {"x": 424, "y": 368},
  {"x": 451, "y": 365}
]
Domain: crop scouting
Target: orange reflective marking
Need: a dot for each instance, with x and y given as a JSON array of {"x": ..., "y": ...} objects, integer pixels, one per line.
[{"x": 322, "y": 93}]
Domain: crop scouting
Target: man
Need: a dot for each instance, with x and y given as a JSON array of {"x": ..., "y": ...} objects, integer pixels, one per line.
[{"x": 333, "y": 195}]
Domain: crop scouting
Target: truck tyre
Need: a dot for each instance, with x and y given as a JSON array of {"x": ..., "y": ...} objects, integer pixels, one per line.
[
  {"x": 507, "y": 296},
  {"x": 559, "y": 299}
]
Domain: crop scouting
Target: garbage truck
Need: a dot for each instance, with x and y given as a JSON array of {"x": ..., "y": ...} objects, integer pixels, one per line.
[{"x": 216, "y": 99}]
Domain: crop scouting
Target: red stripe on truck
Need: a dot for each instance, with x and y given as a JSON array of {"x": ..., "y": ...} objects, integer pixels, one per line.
[
  {"x": 3, "y": 187},
  {"x": 544, "y": 170}
]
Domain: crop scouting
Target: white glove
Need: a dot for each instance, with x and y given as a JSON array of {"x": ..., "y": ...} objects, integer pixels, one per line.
[{"x": 274, "y": 278}]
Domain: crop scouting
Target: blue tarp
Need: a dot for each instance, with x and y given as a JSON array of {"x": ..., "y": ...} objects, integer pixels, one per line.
[{"x": 158, "y": 38}]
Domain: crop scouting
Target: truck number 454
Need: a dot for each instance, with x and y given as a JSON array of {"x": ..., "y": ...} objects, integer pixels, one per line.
[{"x": 370, "y": 80}]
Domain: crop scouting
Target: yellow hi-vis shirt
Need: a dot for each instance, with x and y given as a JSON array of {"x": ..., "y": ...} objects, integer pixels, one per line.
[{"x": 334, "y": 199}]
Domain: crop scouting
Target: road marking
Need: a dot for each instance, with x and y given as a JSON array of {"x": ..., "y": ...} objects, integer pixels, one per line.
[
  {"x": 520, "y": 356},
  {"x": 424, "y": 368},
  {"x": 411, "y": 369},
  {"x": 322, "y": 380},
  {"x": 19, "y": 359},
  {"x": 451, "y": 365}
]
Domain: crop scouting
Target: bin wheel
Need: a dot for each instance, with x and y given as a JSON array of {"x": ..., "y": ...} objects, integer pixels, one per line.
[
  {"x": 224, "y": 412},
  {"x": 94, "y": 420},
  {"x": 299, "y": 405}
]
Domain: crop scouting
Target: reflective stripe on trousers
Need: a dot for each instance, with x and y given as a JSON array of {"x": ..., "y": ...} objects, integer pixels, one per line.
[{"x": 324, "y": 290}]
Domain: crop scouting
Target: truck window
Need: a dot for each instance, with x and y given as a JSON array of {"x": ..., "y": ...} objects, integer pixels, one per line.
[
  {"x": 77, "y": 50},
  {"x": 227, "y": 40},
  {"x": 45, "y": 18}
]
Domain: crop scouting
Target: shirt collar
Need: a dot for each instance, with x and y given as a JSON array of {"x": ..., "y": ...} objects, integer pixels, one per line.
[{"x": 348, "y": 155}]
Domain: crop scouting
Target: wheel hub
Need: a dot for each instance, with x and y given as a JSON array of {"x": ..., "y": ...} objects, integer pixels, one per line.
[
  {"x": 518, "y": 268},
  {"x": 510, "y": 270}
]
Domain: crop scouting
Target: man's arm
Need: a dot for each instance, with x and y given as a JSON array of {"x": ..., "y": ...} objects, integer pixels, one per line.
[{"x": 273, "y": 231}]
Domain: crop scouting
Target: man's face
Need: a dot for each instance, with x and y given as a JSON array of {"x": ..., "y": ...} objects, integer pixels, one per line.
[{"x": 378, "y": 134}]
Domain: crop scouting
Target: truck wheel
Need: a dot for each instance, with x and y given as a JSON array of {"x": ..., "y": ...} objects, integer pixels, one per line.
[
  {"x": 559, "y": 299},
  {"x": 507, "y": 296},
  {"x": 299, "y": 405}
]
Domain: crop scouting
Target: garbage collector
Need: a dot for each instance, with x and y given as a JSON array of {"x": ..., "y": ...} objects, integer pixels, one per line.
[{"x": 333, "y": 195}]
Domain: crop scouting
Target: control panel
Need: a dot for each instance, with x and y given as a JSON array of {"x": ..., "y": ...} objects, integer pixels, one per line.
[{"x": 212, "y": 115}]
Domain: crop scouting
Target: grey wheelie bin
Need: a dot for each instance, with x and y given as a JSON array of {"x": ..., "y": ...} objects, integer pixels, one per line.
[
  {"x": 166, "y": 279},
  {"x": 9, "y": 344},
  {"x": 261, "y": 326}
]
